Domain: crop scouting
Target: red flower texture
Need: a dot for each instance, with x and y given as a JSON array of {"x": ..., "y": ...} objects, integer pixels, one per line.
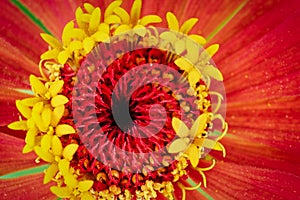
[{"x": 258, "y": 57}]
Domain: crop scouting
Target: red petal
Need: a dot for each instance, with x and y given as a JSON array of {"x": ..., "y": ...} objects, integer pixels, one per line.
[
  {"x": 11, "y": 156},
  {"x": 27, "y": 187}
]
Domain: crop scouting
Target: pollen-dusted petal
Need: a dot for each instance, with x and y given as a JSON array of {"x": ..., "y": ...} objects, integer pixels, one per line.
[
  {"x": 184, "y": 64},
  {"x": 59, "y": 100},
  {"x": 63, "y": 56},
  {"x": 46, "y": 142},
  {"x": 50, "y": 173},
  {"x": 57, "y": 114},
  {"x": 179, "y": 46},
  {"x": 194, "y": 155},
  {"x": 172, "y": 21},
  {"x": 18, "y": 125},
  {"x": 112, "y": 19},
  {"x": 180, "y": 128},
  {"x": 95, "y": 20},
  {"x": 123, "y": 14},
  {"x": 46, "y": 156},
  {"x": 135, "y": 11},
  {"x": 46, "y": 115},
  {"x": 168, "y": 36},
  {"x": 62, "y": 192},
  {"x": 212, "y": 50},
  {"x": 64, "y": 129},
  {"x": 110, "y": 8},
  {"x": 23, "y": 109},
  {"x": 88, "y": 7},
  {"x": 149, "y": 19},
  {"x": 84, "y": 186},
  {"x": 200, "y": 124},
  {"x": 37, "y": 86},
  {"x": 188, "y": 25},
  {"x": 56, "y": 87},
  {"x": 50, "y": 54},
  {"x": 198, "y": 38},
  {"x": 64, "y": 166},
  {"x": 88, "y": 44},
  {"x": 100, "y": 36},
  {"x": 121, "y": 29},
  {"x": 212, "y": 72},
  {"x": 69, "y": 151},
  {"x": 56, "y": 146},
  {"x": 177, "y": 145},
  {"x": 70, "y": 180},
  {"x": 52, "y": 41},
  {"x": 31, "y": 101}
]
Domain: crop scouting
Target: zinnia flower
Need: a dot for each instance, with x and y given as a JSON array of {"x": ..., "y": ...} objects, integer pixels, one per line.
[{"x": 50, "y": 149}]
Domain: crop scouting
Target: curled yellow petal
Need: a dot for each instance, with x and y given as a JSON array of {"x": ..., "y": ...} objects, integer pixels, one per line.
[
  {"x": 64, "y": 166},
  {"x": 66, "y": 36},
  {"x": 194, "y": 77},
  {"x": 180, "y": 128},
  {"x": 112, "y": 19},
  {"x": 200, "y": 124},
  {"x": 168, "y": 36},
  {"x": 150, "y": 19},
  {"x": 188, "y": 25},
  {"x": 69, "y": 151},
  {"x": 56, "y": 87},
  {"x": 101, "y": 37},
  {"x": 31, "y": 101},
  {"x": 27, "y": 148},
  {"x": 50, "y": 172},
  {"x": 75, "y": 45},
  {"x": 172, "y": 21},
  {"x": 88, "y": 7},
  {"x": 57, "y": 114},
  {"x": 122, "y": 13},
  {"x": 198, "y": 38},
  {"x": 178, "y": 145},
  {"x": 50, "y": 54},
  {"x": 46, "y": 115},
  {"x": 140, "y": 30},
  {"x": 212, "y": 50},
  {"x": 63, "y": 56},
  {"x": 56, "y": 146},
  {"x": 62, "y": 192},
  {"x": 95, "y": 19},
  {"x": 121, "y": 29},
  {"x": 52, "y": 41},
  {"x": 111, "y": 7},
  {"x": 37, "y": 86},
  {"x": 194, "y": 155},
  {"x": 64, "y": 129},
  {"x": 46, "y": 142},
  {"x": 46, "y": 156},
  {"x": 18, "y": 125},
  {"x": 184, "y": 64},
  {"x": 59, "y": 100},
  {"x": 23, "y": 109},
  {"x": 135, "y": 11},
  {"x": 179, "y": 46},
  {"x": 88, "y": 44},
  {"x": 84, "y": 186},
  {"x": 70, "y": 180},
  {"x": 212, "y": 72}
]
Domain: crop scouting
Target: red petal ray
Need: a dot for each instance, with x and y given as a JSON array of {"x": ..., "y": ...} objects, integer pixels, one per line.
[
  {"x": 27, "y": 187},
  {"x": 11, "y": 155}
]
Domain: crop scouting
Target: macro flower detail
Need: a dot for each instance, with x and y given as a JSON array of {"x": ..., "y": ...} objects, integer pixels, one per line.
[
  {"x": 127, "y": 102},
  {"x": 59, "y": 123}
]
